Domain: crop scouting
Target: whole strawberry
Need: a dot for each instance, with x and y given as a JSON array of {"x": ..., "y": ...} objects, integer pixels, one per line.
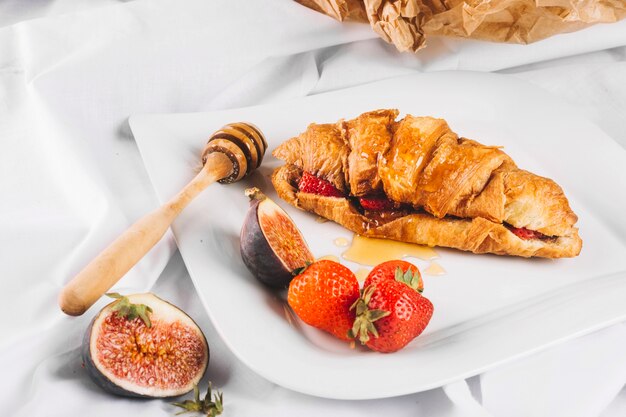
[
  {"x": 390, "y": 314},
  {"x": 309, "y": 183},
  {"x": 322, "y": 295},
  {"x": 398, "y": 270}
]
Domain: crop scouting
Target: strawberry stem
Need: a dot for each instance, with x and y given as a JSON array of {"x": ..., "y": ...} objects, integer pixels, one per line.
[
  {"x": 364, "y": 322},
  {"x": 408, "y": 278},
  {"x": 300, "y": 270}
]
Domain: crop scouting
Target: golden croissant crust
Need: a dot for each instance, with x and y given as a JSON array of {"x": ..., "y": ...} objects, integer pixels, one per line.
[{"x": 449, "y": 191}]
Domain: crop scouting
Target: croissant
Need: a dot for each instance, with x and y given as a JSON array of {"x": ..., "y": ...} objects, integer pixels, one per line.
[{"x": 444, "y": 190}]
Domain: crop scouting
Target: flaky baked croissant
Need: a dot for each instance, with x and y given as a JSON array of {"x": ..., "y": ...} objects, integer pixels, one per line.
[{"x": 444, "y": 190}]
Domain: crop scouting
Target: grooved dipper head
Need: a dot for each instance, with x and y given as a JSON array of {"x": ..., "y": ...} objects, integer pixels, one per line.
[{"x": 242, "y": 143}]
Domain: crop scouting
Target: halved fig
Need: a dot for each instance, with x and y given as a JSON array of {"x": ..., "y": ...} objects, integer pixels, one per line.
[
  {"x": 271, "y": 245},
  {"x": 143, "y": 346}
]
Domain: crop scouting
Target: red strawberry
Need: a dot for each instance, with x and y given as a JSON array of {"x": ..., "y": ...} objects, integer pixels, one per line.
[
  {"x": 376, "y": 203},
  {"x": 322, "y": 295},
  {"x": 398, "y": 270},
  {"x": 524, "y": 233},
  {"x": 309, "y": 183},
  {"x": 393, "y": 313}
]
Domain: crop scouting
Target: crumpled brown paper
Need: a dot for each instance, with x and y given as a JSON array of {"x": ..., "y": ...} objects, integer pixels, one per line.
[{"x": 406, "y": 23}]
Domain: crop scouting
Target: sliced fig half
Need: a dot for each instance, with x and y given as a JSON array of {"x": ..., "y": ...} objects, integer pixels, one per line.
[
  {"x": 271, "y": 245},
  {"x": 127, "y": 353}
]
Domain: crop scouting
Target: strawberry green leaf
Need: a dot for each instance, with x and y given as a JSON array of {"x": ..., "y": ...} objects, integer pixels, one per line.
[
  {"x": 408, "y": 278},
  {"x": 300, "y": 270},
  {"x": 363, "y": 324}
]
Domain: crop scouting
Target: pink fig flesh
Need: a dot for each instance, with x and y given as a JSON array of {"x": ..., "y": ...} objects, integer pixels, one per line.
[{"x": 271, "y": 245}]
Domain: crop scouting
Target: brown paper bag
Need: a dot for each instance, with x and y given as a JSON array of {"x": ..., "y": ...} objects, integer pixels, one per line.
[{"x": 406, "y": 23}]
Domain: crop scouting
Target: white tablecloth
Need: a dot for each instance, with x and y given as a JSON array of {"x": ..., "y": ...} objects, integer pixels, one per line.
[{"x": 71, "y": 179}]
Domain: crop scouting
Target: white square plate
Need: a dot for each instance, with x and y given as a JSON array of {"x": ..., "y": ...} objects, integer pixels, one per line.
[{"x": 488, "y": 309}]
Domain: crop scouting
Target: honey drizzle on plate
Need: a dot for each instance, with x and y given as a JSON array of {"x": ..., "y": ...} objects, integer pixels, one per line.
[
  {"x": 341, "y": 242},
  {"x": 372, "y": 251},
  {"x": 328, "y": 258},
  {"x": 434, "y": 269}
]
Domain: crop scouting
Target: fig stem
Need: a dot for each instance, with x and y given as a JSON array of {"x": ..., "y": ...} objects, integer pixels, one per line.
[
  {"x": 130, "y": 311},
  {"x": 255, "y": 194},
  {"x": 206, "y": 406}
]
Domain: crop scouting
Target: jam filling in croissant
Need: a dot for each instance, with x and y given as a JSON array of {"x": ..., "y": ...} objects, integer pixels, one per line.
[
  {"x": 380, "y": 207},
  {"x": 415, "y": 180}
]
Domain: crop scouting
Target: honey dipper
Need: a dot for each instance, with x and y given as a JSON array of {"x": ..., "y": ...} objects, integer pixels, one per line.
[{"x": 230, "y": 154}]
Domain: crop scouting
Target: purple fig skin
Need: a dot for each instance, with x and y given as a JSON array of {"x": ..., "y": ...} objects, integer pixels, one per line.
[
  {"x": 258, "y": 255},
  {"x": 100, "y": 379}
]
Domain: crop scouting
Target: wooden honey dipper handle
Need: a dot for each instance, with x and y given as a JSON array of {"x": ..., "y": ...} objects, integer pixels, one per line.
[
  {"x": 121, "y": 255},
  {"x": 224, "y": 160}
]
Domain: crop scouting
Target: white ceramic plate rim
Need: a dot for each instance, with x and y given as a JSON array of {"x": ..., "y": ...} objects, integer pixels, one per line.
[{"x": 469, "y": 348}]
